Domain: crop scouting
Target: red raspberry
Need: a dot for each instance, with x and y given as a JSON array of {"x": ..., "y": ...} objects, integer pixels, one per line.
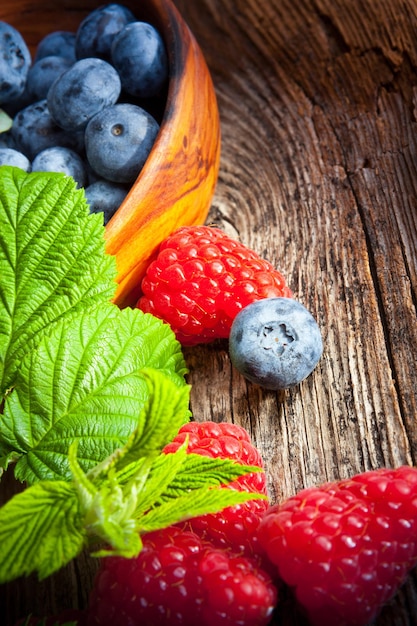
[
  {"x": 201, "y": 279},
  {"x": 180, "y": 580},
  {"x": 235, "y": 526},
  {"x": 347, "y": 546}
]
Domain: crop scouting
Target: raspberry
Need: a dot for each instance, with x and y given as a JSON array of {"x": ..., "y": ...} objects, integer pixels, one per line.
[
  {"x": 201, "y": 279},
  {"x": 346, "y": 546},
  {"x": 235, "y": 526},
  {"x": 179, "y": 579}
]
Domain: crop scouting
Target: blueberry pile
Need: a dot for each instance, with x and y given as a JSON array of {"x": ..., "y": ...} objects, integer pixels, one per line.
[{"x": 88, "y": 104}]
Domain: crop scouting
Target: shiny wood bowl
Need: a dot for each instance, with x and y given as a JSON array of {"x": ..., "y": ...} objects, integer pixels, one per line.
[{"x": 176, "y": 185}]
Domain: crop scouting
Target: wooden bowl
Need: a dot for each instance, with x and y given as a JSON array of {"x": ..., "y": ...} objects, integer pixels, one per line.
[{"x": 177, "y": 182}]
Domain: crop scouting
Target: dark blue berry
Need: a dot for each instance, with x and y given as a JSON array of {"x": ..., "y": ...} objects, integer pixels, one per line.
[
  {"x": 118, "y": 141},
  {"x": 9, "y": 156},
  {"x": 42, "y": 74},
  {"x": 15, "y": 60},
  {"x": 58, "y": 43},
  {"x": 275, "y": 342},
  {"x": 83, "y": 90},
  {"x": 105, "y": 197},
  {"x": 58, "y": 159},
  {"x": 139, "y": 55},
  {"x": 16, "y": 105},
  {"x": 34, "y": 130},
  {"x": 96, "y": 32},
  {"x": 7, "y": 140}
]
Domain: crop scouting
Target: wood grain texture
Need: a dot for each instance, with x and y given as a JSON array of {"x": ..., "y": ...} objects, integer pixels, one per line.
[{"x": 318, "y": 173}]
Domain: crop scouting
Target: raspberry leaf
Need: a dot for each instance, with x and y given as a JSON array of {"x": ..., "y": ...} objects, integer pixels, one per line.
[
  {"x": 167, "y": 406},
  {"x": 84, "y": 382},
  {"x": 199, "y": 471},
  {"x": 175, "y": 474},
  {"x": 161, "y": 473},
  {"x": 166, "y": 410},
  {"x": 40, "y": 530},
  {"x": 194, "y": 503},
  {"x": 109, "y": 507},
  {"x": 117, "y": 511},
  {"x": 193, "y": 488},
  {"x": 52, "y": 260}
]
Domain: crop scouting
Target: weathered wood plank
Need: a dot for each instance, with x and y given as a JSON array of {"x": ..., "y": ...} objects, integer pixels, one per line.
[{"x": 318, "y": 173}]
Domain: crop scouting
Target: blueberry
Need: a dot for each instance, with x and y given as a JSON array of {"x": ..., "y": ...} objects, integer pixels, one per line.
[
  {"x": 82, "y": 91},
  {"x": 7, "y": 140},
  {"x": 59, "y": 159},
  {"x": 57, "y": 43},
  {"x": 9, "y": 156},
  {"x": 96, "y": 32},
  {"x": 19, "y": 103},
  {"x": 275, "y": 342},
  {"x": 34, "y": 130},
  {"x": 15, "y": 60},
  {"x": 105, "y": 197},
  {"x": 42, "y": 74},
  {"x": 92, "y": 176},
  {"x": 118, "y": 141},
  {"x": 139, "y": 55}
]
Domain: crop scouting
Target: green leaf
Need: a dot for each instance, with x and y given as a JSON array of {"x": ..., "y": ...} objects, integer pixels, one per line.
[
  {"x": 84, "y": 382},
  {"x": 182, "y": 485},
  {"x": 152, "y": 493},
  {"x": 40, "y": 530},
  {"x": 197, "y": 502},
  {"x": 108, "y": 510},
  {"x": 52, "y": 260},
  {"x": 199, "y": 471},
  {"x": 166, "y": 410},
  {"x": 161, "y": 474}
]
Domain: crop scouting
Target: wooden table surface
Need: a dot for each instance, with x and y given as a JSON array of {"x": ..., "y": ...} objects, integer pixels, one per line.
[{"x": 318, "y": 105}]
